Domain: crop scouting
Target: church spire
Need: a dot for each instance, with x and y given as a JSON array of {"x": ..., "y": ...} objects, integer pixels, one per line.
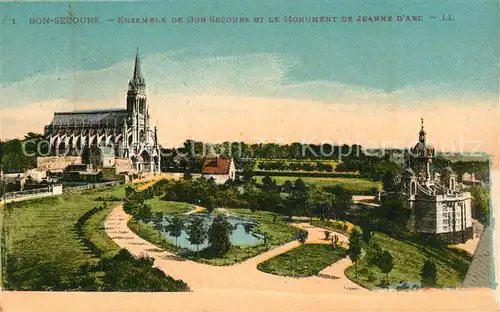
[
  {"x": 137, "y": 80},
  {"x": 421, "y": 134},
  {"x": 137, "y": 67}
]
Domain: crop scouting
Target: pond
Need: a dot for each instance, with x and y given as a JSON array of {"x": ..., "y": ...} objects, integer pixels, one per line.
[{"x": 241, "y": 235}]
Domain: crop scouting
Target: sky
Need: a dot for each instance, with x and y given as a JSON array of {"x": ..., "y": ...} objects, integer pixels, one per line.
[{"x": 363, "y": 83}]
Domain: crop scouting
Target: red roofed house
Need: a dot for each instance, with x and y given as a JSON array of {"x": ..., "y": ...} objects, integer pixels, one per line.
[{"x": 220, "y": 169}]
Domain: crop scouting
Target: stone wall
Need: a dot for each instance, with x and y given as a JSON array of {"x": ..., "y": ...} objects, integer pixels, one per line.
[
  {"x": 56, "y": 162},
  {"x": 109, "y": 174},
  {"x": 457, "y": 237},
  {"x": 218, "y": 178},
  {"x": 123, "y": 165},
  {"x": 425, "y": 216}
]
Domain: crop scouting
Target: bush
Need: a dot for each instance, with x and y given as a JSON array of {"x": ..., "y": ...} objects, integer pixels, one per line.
[
  {"x": 125, "y": 273},
  {"x": 80, "y": 232},
  {"x": 371, "y": 277},
  {"x": 107, "y": 198}
]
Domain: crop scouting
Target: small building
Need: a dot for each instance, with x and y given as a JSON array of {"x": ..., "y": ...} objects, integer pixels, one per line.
[
  {"x": 221, "y": 169},
  {"x": 470, "y": 179}
]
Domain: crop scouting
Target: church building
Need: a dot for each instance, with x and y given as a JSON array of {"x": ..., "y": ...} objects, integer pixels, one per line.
[
  {"x": 121, "y": 133},
  {"x": 438, "y": 204}
]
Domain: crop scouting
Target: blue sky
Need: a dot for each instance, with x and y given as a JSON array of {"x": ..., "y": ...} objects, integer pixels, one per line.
[
  {"x": 381, "y": 56},
  {"x": 383, "y": 65}
]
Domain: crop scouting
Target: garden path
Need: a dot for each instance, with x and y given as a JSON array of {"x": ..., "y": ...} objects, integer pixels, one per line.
[{"x": 244, "y": 276}]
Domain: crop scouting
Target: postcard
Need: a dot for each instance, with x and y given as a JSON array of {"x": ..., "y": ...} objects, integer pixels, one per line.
[{"x": 249, "y": 156}]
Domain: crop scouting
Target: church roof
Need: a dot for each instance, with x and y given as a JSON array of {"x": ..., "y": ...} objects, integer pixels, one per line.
[{"x": 90, "y": 118}]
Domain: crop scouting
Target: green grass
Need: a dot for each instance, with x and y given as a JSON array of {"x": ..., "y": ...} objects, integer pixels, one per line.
[
  {"x": 94, "y": 230},
  {"x": 334, "y": 226},
  {"x": 40, "y": 242},
  {"x": 306, "y": 260},
  {"x": 270, "y": 224},
  {"x": 408, "y": 258},
  {"x": 354, "y": 185},
  {"x": 288, "y": 161},
  {"x": 159, "y": 205},
  {"x": 331, "y": 162},
  {"x": 278, "y": 232}
]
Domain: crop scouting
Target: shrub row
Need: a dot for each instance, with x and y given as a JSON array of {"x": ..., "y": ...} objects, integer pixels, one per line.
[
  {"x": 80, "y": 232},
  {"x": 308, "y": 174},
  {"x": 294, "y": 166}
]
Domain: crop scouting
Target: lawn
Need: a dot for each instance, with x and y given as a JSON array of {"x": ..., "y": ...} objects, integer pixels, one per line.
[
  {"x": 94, "y": 230},
  {"x": 306, "y": 260},
  {"x": 40, "y": 246},
  {"x": 408, "y": 258},
  {"x": 354, "y": 185},
  {"x": 288, "y": 160},
  {"x": 342, "y": 227},
  {"x": 159, "y": 205}
]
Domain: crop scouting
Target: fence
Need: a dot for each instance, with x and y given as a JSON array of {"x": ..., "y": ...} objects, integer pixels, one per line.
[
  {"x": 67, "y": 189},
  {"x": 54, "y": 190},
  {"x": 28, "y": 193}
]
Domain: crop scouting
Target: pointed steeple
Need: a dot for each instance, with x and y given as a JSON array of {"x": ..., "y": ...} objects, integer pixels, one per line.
[
  {"x": 137, "y": 81},
  {"x": 137, "y": 66}
]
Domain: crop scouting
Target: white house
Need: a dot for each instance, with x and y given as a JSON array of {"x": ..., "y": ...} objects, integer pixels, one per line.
[{"x": 221, "y": 169}]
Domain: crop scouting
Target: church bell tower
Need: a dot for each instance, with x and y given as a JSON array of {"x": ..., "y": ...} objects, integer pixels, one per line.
[{"x": 137, "y": 106}]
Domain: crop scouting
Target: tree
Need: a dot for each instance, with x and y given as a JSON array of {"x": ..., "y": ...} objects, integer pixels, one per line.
[
  {"x": 175, "y": 227},
  {"x": 188, "y": 176},
  {"x": 299, "y": 185},
  {"x": 385, "y": 264},
  {"x": 197, "y": 233},
  {"x": 219, "y": 234},
  {"x": 143, "y": 211},
  {"x": 428, "y": 274},
  {"x": 319, "y": 201},
  {"x": 367, "y": 235},
  {"x": 268, "y": 184},
  {"x": 209, "y": 203},
  {"x": 287, "y": 186},
  {"x": 158, "y": 219},
  {"x": 395, "y": 210},
  {"x": 481, "y": 204},
  {"x": 247, "y": 172},
  {"x": 251, "y": 196},
  {"x": 302, "y": 236},
  {"x": 14, "y": 159},
  {"x": 354, "y": 250}
]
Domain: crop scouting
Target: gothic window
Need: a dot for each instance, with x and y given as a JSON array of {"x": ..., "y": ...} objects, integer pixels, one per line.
[{"x": 141, "y": 106}]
